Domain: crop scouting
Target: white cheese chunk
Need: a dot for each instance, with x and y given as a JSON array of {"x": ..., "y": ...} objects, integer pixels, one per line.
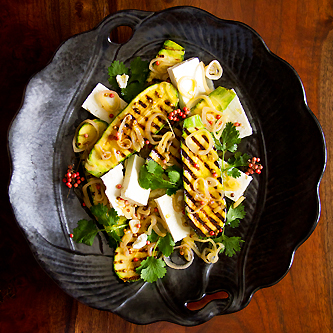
[
  {"x": 174, "y": 220},
  {"x": 189, "y": 68},
  {"x": 235, "y": 113},
  {"x": 111, "y": 179},
  {"x": 93, "y": 105},
  {"x": 236, "y": 186},
  {"x": 122, "y": 80},
  {"x": 131, "y": 190},
  {"x": 140, "y": 242}
]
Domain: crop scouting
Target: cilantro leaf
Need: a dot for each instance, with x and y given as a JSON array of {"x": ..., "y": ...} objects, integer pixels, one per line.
[
  {"x": 153, "y": 176},
  {"x": 174, "y": 173},
  {"x": 154, "y": 167},
  {"x": 234, "y": 172},
  {"x": 231, "y": 245},
  {"x": 166, "y": 244},
  {"x": 131, "y": 91},
  {"x": 152, "y": 269},
  {"x": 85, "y": 232},
  {"x": 139, "y": 70},
  {"x": 105, "y": 216},
  {"x": 117, "y": 68},
  {"x": 153, "y": 237},
  {"x": 239, "y": 160},
  {"x": 230, "y": 138},
  {"x": 234, "y": 214}
]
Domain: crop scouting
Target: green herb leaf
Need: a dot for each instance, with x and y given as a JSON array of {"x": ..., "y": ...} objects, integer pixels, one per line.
[
  {"x": 154, "y": 167},
  {"x": 117, "y": 68},
  {"x": 153, "y": 237},
  {"x": 231, "y": 245},
  {"x": 152, "y": 269},
  {"x": 234, "y": 214},
  {"x": 230, "y": 138},
  {"x": 85, "y": 232},
  {"x": 234, "y": 172},
  {"x": 166, "y": 244},
  {"x": 153, "y": 176},
  {"x": 104, "y": 215},
  {"x": 139, "y": 70}
]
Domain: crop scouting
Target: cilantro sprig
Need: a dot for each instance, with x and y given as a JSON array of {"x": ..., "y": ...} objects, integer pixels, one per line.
[
  {"x": 86, "y": 231},
  {"x": 153, "y": 268},
  {"x": 137, "y": 72},
  {"x": 231, "y": 244},
  {"x": 153, "y": 176}
]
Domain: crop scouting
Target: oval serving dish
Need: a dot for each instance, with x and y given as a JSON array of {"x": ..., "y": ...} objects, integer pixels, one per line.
[{"x": 282, "y": 204}]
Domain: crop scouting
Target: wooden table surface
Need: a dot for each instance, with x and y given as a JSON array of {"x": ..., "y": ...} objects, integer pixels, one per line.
[{"x": 299, "y": 31}]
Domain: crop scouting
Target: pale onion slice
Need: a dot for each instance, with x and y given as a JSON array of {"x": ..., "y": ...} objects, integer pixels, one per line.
[
  {"x": 178, "y": 201},
  {"x": 213, "y": 70},
  {"x": 173, "y": 265},
  {"x": 108, "y": 103},
  {"x": 150, "y": 248},
  {"x": 204, "y": 192},
  {"x": 125, "y": 240},
  {"x": 182, "y": 86},
  {"x": 162, "y": 67},
  {"x": 85, "y": 190},
  {"x": 93, "y": 140},
  {"x": 124, "y": 143},
  {"x": 148, "y": 130},
  {"x": 209, "y": 119},
  {"x": 202, "y": 68},
  {"x": 193, "y": 101},
  {"x": 194, "y": 147},
  {"x": 134, "y": 225},
  {"x": 105, "y": 155}
]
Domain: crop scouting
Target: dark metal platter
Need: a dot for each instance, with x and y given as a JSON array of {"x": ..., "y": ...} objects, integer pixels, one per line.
[{"x": 282, "y": 204}]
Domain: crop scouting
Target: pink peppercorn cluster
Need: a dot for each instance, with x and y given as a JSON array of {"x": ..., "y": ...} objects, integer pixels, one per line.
[
  {"x": 254, "y": 166},
  {"x": 72, "y": 178},
  {"x": 178, "y": 114}
]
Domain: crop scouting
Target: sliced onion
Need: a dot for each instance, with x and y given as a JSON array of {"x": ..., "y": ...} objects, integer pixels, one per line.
[
  {"x": 85, "y": 190},
  {"x": 213, "y": 70},
  {"x": 208, "y": 116},
  {"x": 105, "y": 155},
  {"x": 162, "y": 67},
  {"x": 194, "y": 148},
  {"x": 177, "y": 266},
  {"x": 148, "y": 130},
  {"x": 124, "y": 143},
  {"x": 178, "y": 201},
  {"x": 193, "y": 101},
  {"x": 103, "y": 98},
  {"x": 202, "y": 69},
  {"x": 125, "y": 240},
  {"x": 181, "y": 86}
]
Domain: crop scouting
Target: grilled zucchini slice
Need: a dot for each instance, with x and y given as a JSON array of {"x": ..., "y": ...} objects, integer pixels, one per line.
[
  {"x": 170, "y": 54},
  {"x": 106, "y": 154},
  {"x": 87, "y": 131},
  {"x": 125, "y": 266},
  {"x": 206, "y": 210}
]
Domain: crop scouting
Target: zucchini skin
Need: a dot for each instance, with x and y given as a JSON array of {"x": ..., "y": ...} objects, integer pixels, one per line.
[{"x": 161, "y": 97}]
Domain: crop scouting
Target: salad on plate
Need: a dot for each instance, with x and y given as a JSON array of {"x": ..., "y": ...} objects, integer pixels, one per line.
[{"x": 159, "y": 166}]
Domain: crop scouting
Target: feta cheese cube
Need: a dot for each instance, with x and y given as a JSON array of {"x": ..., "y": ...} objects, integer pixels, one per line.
[
  {"x": 174, "y": 220},
  {"x": 131, "y": 190},
  {"x": 122, "y": 80},
  {"x": 94, "y": 106},
  {"x": 235, "y": 113},
  {"x": 236, "y": 186},
  {"x": 111, "y": 179},
  {"x": 189, "y": 68},
  {"x": 140, "y": 242}
]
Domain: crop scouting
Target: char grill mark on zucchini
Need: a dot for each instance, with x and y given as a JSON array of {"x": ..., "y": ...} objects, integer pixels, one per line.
[
  {"x": 210, "y": 218},
  {"x": 125, "y": 266},
  {"x": 106, "y": 153}
]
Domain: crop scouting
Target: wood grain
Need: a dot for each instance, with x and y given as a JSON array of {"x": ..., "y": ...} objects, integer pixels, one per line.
[{"x": 298, "y": 31}]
